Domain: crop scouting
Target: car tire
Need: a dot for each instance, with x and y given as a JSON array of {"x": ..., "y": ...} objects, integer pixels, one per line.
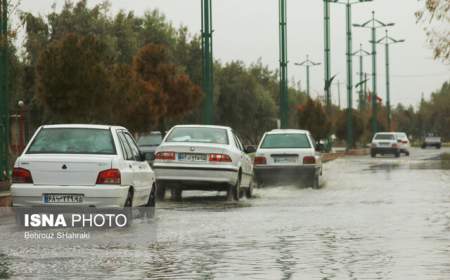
[
  {"x": 233, "y": 192},
  {"x": 424, "y": 146},
  {"x": 315, "y": 182},
  {"x": 129, "y": 200},
  {"x": 249, "y": 190},
  {"x": 407, "y": 153},
  {"x": 397, "y": 154},
  {"x": 152, "y": 198},
  {"x": 176, "y": 194},
  {"x": 160, "y": 191},
  {"x": 438, "y": 147},
  {"x": 373, "y": 154}
]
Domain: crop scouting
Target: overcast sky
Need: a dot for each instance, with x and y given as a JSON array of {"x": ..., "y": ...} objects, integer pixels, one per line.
[{"x": 248, "y": 29}]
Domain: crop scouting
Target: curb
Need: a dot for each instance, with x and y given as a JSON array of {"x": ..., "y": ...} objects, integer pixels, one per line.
[{"x": 5, "y": 199}]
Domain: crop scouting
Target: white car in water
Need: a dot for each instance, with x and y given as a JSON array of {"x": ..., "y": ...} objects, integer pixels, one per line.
[
  {"x": 403, "y": 142},
  {"x": 385, "y": 143},
  {"x": 82, "y": 165},
  {"x": 288, "y": 156},
  {"x": 199, "y": 157}
]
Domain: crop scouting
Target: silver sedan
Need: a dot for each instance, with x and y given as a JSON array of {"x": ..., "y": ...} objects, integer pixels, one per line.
[{"x": 197, "y": 157}]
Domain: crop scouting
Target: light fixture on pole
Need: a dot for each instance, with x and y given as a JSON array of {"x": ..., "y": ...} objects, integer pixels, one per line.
[{"x": 308, "y": 64}]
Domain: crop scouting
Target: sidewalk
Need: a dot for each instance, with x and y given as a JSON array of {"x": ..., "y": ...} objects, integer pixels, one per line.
[{"x": 338, "y": 153}]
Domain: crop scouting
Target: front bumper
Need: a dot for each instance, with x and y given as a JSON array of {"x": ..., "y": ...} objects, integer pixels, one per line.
[
  {"x": 100, "y": 196},
  {"x": 286, "y": 174},
  {"x": 196, "y": 177}
]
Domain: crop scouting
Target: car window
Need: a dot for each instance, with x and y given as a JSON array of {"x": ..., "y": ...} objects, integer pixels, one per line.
[
  {"x": 127, "y": 152},
  {"x": 73, "y": 141},
  {"x": 402, "y": 136},
  {"x": 150, "y": 140},
  {"x": 286, "y": 141},
  {"x": 384, "y": 136},
  {"x": 198, "y": 135},
  {"x": 238, "y": 142},
  {"x": 133, "y": 146}
]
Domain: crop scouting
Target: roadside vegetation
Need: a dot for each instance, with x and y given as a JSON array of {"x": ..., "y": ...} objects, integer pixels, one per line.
[{"x": 85, "y": 64}]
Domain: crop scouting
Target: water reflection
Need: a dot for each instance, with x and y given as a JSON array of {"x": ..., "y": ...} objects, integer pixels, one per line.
[{"x": 4, "y": 267}]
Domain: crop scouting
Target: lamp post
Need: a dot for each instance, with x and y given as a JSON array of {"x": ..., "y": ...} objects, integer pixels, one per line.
[
  {"x": 387, "y": 42},
  {"x": 308, "y": 64},
  {"x": 361, "y": 53},
  {"x": 284, "y": 106},
  {"x": 208, "y": 63},
  {"x": 4, "y": 94},
  {"x": 348, "y": 8},
  {"x": 374, "y": 24}
]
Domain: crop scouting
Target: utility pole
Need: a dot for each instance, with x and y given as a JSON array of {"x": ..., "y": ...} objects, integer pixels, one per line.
[
  {"x": 4, "y": 94},
  {"x": 327, "y": 57},
  {"x": 348, "y": 14},
  {"x": 308, "y": 64},
  {"x": 208, "y": 63},
  {"x": 375, "y": 24},
  {"x": 339, "y": 93},
  {"x": 361, "y": 53},
  {"x": 387, "y": 42},
  {"x": 284, "y": 106}
]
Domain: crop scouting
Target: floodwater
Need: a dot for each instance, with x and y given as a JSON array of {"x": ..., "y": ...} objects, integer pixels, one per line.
[{"x": 382, "y": 218}]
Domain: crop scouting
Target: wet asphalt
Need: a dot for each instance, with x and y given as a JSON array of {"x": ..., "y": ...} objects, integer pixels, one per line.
[{"x": 382, "y": 218}]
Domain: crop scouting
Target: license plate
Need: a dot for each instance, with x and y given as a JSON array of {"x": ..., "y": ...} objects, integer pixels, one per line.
[
  {"x": 192, "y": 157},
  {"x": 63, "y": 198},
  {"x": 285, "y": 159},
  {"x": 384, "y": 144}
]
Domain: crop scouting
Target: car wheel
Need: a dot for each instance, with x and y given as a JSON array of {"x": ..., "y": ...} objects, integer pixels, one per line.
[
  {"x": 397, "y": 154},
  {"x": 249, "y": 190},
  {"x": 233, "y": 192},
  {"x": 152, "y": 198},
  {"x": 160, "y": 192},
  {"x": 438, "y": 147},
  {"x": 373, "y": 154},
  {"x": 129, "y": 200},
  {"x": 424, "y": 146},
  {"x": 176, "y": 194},
  {"x": 407, "y": 153},
  {"x": 315, "y": 182}
]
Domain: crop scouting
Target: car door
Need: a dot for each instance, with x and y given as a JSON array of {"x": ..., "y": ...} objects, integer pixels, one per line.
[
  {"x": 247, "y": 167},
  {"x": 126, "y": 166},
  {"x": 143, "y": 176}
]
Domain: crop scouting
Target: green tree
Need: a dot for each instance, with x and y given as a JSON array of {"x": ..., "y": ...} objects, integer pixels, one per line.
[
  {"x": 73, "y": 79},
  {"x": 357, "y": 126}
]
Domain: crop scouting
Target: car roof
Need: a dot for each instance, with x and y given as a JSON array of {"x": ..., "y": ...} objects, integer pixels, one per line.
[
  {"x": 283, "y": 131},
  {"x": 91, "y": 126},
  {"x": 201, "y": 125},
  {"x": 386, "y": 133}
]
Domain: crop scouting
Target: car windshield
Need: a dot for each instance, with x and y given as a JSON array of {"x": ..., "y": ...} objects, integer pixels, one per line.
[
  {"x": 384, "y": 136},
  {"x": 285, "y": 141},
  {"x": 402, "y": 136},
  {"x": 198, "y": 135},
  {"x": 73, "y": 141},
  {"x": 150, "y": 140}
]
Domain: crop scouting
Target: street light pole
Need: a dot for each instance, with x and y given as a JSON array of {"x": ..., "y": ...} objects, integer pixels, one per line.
[
  {"x": 361, "y": 53},
  {"x": 388, "y": 41},
  {"x": 284, "y": 106},
  {"x": 4, "y": 95},
  {"x": 348, "y": 14},
  {"x": 375, "y": 24},
  {"x": 208, "y": 63},
  {"x": 308, "y": 64}
]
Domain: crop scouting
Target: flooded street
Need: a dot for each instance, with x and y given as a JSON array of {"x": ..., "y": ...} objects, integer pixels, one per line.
[{"x": 382, "y": 218}]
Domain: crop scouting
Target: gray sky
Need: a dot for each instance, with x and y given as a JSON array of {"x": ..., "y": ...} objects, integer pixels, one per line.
[{"x": 248, "y": 29}]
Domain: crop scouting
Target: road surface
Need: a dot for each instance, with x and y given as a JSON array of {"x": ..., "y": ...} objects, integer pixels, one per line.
[{"x": 382, "y": 218}]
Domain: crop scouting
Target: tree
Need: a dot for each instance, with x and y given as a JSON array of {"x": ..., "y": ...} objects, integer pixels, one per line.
[
  {"x": 438, "y": 37},
  {"x": 72, "y": 73},
  {"x": 164, "y": 91},
  {"x": 357, "y": 128},
  {"x": 312, "y": 117}
]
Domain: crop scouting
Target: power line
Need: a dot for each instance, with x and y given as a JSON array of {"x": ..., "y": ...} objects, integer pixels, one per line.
[{"x": 422, "y": 75}]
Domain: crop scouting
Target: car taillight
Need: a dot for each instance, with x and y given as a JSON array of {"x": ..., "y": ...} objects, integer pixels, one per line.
[
  {"x": 109, "y": 177},
  {"x": 165, "y": 156},
  {"x": 309, "y": 160},
  {"x": 405, "y": 142},
  {"x": 219, "y": 158},
  {"x": 394, "y": 146},
  {"x": 21, "y": 176},
  {"x": 260, "y": 160}
]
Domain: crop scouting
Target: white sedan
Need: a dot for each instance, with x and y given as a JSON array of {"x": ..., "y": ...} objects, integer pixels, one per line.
[
  {"x": 194, "y": 157},
  {"x": 82, "y": 165},
  {"x": 287, "y": 156}
]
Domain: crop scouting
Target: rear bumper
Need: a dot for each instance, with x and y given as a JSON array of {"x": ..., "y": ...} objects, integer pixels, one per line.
[
  {"x": 196, "y": 177},
  {"x": 285, "y": 174},
  {"x": 387, "y": 150},
  {"x": 100, "y": 196}
]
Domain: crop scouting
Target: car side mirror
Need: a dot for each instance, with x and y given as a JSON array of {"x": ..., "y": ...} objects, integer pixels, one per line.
[{"x": 250, "y": 149}]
